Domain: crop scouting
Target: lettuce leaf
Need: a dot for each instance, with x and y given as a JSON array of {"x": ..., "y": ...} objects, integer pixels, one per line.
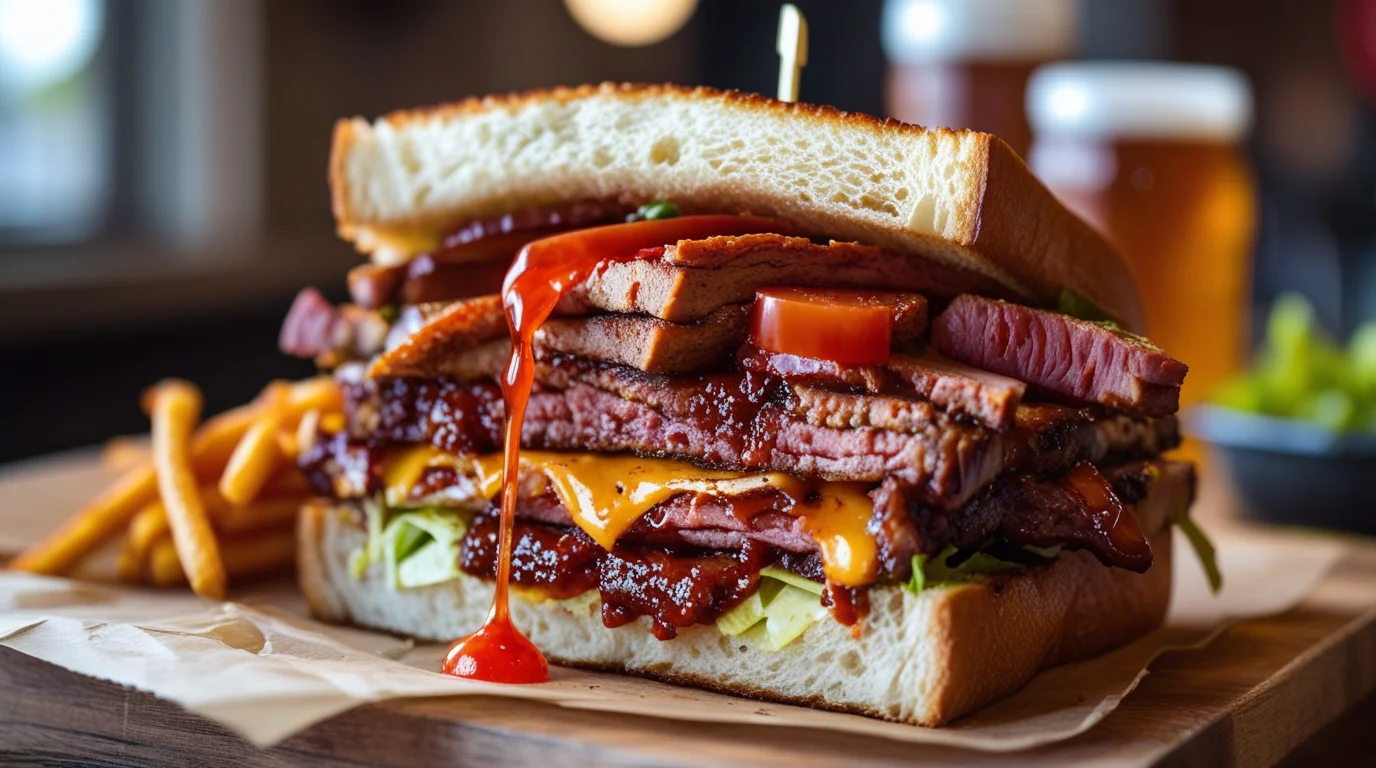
[
  {"x": 1203, "y": 549},
  {"x": 780, "y": 611},
  {"x": 421, "y": 547},
  {"x": 933, "y": 572}
]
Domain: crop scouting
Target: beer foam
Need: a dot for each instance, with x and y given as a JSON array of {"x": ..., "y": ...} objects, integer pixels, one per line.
[
  {"x": 1139, "y": 100},
  {"x": 918, "y": 31}
]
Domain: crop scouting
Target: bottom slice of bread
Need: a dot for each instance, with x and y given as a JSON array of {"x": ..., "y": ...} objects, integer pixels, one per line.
[{"x": 923, "y": 659}]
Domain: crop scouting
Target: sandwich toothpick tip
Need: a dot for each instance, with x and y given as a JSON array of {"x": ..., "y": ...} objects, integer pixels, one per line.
[{"x": 792, "y": 47}]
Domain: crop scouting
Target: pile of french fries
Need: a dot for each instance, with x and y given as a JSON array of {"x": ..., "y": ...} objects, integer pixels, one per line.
[{"x": 206, "y": 504}]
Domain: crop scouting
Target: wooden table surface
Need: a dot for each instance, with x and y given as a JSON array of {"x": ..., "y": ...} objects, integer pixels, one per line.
[{"x": 1257, "y": 693}]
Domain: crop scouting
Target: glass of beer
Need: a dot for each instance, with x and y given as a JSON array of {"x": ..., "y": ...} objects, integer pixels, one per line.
[
  {"x": 966, "y": 63},
  {"x": 1150, "y": 153}
]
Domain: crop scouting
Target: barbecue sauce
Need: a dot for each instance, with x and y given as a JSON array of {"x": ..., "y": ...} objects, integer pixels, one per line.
[
  {"x": 1109, "y": 515},
  {"x": 538, "y": 278}
]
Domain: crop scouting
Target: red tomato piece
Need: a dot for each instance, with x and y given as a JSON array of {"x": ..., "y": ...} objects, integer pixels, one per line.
[{"x": 846, "y": 327}]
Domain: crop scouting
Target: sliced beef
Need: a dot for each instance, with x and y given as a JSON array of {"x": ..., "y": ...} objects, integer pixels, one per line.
[
  {"x": 432, "y": 340},
  {"x": 735, "y": 422},
  {"x": 648, "y": 343},
  {"x": 986, "y": 397},
  {"x": 688, "y": 280},
  {"x": 1084, "y": 360},
  {"x": 927, "y": 380},
  {"x": 731, "y": 421},
  {"x": 314, "y": 328},
  {"x": 438, "y": 339}
]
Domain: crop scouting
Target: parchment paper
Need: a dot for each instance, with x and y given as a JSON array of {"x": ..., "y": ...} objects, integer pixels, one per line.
[{"x": 262, "y": 668}]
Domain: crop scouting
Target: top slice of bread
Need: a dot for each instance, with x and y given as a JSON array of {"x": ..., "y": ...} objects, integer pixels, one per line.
[{"x": 958, "y": 197}]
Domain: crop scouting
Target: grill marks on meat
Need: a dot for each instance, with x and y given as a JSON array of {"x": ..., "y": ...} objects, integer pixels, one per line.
[{"x": 1073, "y": 357}]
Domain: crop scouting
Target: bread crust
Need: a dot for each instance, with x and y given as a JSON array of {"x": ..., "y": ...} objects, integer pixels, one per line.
[
  {"x": 924, "y": 659},
  {"x": 958, "y": 197}
]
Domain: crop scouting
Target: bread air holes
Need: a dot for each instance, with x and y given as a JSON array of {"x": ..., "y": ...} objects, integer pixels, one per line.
[
  {"x": 665, "y": 151},
  {"x": 601, "y": 158}
]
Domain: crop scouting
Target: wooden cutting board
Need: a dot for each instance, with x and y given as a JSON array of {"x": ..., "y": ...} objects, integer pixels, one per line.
[{"x": 1257, "y": 693}]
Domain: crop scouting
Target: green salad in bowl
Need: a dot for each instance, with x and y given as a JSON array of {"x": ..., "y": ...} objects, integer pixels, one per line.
[
  {"x": 1300, "y": 372},
  {"x": 1297, "y": 432}
]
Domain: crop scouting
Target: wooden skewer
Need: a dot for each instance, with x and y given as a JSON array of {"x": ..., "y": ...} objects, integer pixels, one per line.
[{"x": 792, "y": 48}]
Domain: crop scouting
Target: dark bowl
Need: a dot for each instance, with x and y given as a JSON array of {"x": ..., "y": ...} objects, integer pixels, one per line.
[{"x": 1293, "y": 472}]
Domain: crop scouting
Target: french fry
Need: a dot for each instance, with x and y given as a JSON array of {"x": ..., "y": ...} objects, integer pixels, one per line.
[
  {"x": 307, "y": 430},
  {"x": 320, "y": 393},
  {"x": 113, "y": 510},
  {"x": 254, "y": 555},
  {"x": 174, "y": 407},
  {"x": 149, "y": 525},
  {"x": 124, "y": 453},
  {"x": 254, "y": 461},
  {"x": 263, "y": 513},
  {"x": 93, "y": 524}
]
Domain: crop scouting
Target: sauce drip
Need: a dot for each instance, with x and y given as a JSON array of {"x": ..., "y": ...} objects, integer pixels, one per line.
[
  {"x": 538, "y": 278},
  {"x": 1109, "y": 514}
]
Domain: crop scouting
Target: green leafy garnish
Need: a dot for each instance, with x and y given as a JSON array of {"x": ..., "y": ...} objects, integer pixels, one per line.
[
  {"x": 659, "y": 209},
  {"x": 1203, "y": 549},
  {"x": 933, "y": 572},
  {"x": 1080, "y": 306},
  {"x": 1300, "y": 372},
  {"x": 389, "y": 313},
  {"x": 421, "y": 547}
]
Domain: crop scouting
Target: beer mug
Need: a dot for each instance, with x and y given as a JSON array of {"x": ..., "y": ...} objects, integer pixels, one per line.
[
  {"x": 965, "y": 63},
  {"x": 1150, "y": 154}
]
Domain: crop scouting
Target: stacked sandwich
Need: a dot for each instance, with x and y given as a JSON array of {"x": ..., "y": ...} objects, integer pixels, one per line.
[{"x": 871, "y": 429}]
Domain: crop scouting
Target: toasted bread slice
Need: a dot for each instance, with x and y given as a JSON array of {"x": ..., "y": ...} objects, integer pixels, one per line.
[{"x": 960, "y": 198}]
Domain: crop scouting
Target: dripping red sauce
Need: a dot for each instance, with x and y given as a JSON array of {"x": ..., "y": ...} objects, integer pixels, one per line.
[{"x": 539, "y": 276}]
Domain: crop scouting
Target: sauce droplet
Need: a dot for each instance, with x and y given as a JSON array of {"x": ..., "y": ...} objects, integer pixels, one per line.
[
  {"x": 1109, "y": 514},
  {"x": 539, "y": 276}
]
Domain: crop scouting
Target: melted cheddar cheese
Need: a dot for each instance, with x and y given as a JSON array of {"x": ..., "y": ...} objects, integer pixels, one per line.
[{"x": 606, "y": 495}]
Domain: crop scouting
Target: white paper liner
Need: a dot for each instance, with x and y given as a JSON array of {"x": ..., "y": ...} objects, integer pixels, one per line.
[{"x": 263, "y": 669}]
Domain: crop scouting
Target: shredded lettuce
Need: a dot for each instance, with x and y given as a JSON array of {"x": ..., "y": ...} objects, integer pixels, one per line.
[
  {"x": 783, "y": 607},
  {"x": 421, "y": 547},
  {"x": 933, "y": 572},
  {"x": 416, "y": 547}
]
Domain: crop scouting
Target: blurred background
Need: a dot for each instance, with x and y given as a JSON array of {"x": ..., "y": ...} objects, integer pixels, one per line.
[{"x": 162, "y": 162}]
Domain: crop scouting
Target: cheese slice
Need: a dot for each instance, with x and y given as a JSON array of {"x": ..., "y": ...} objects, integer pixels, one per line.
[{"x": 607, "y": 494}]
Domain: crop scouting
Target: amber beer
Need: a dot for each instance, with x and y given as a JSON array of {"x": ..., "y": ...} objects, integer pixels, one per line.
[
  {"x": 1150, "y": 154},
  {"x": 966, "y": 63}
]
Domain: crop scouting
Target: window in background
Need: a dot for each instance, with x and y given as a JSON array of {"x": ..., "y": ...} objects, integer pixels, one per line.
[{"x": 54, "y": 164}]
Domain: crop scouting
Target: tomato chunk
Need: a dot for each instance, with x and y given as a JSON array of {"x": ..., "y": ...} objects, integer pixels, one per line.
[{"x": 846, "y": 327}]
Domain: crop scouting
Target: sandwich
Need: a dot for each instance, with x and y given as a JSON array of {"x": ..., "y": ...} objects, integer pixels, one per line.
[{"x": 855, "y": 415}]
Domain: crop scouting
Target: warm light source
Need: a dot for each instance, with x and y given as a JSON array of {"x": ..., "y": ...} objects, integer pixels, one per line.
[{"x": 631, "y": 22}]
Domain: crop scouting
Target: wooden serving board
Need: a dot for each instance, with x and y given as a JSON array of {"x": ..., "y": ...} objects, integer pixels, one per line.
[{"x": 1262, "y": 689}]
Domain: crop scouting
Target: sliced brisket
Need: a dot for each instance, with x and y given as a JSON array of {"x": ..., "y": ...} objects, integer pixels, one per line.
[
  {"x": 686, "y": 281},
  {"x": 1073, "y": 357}
]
